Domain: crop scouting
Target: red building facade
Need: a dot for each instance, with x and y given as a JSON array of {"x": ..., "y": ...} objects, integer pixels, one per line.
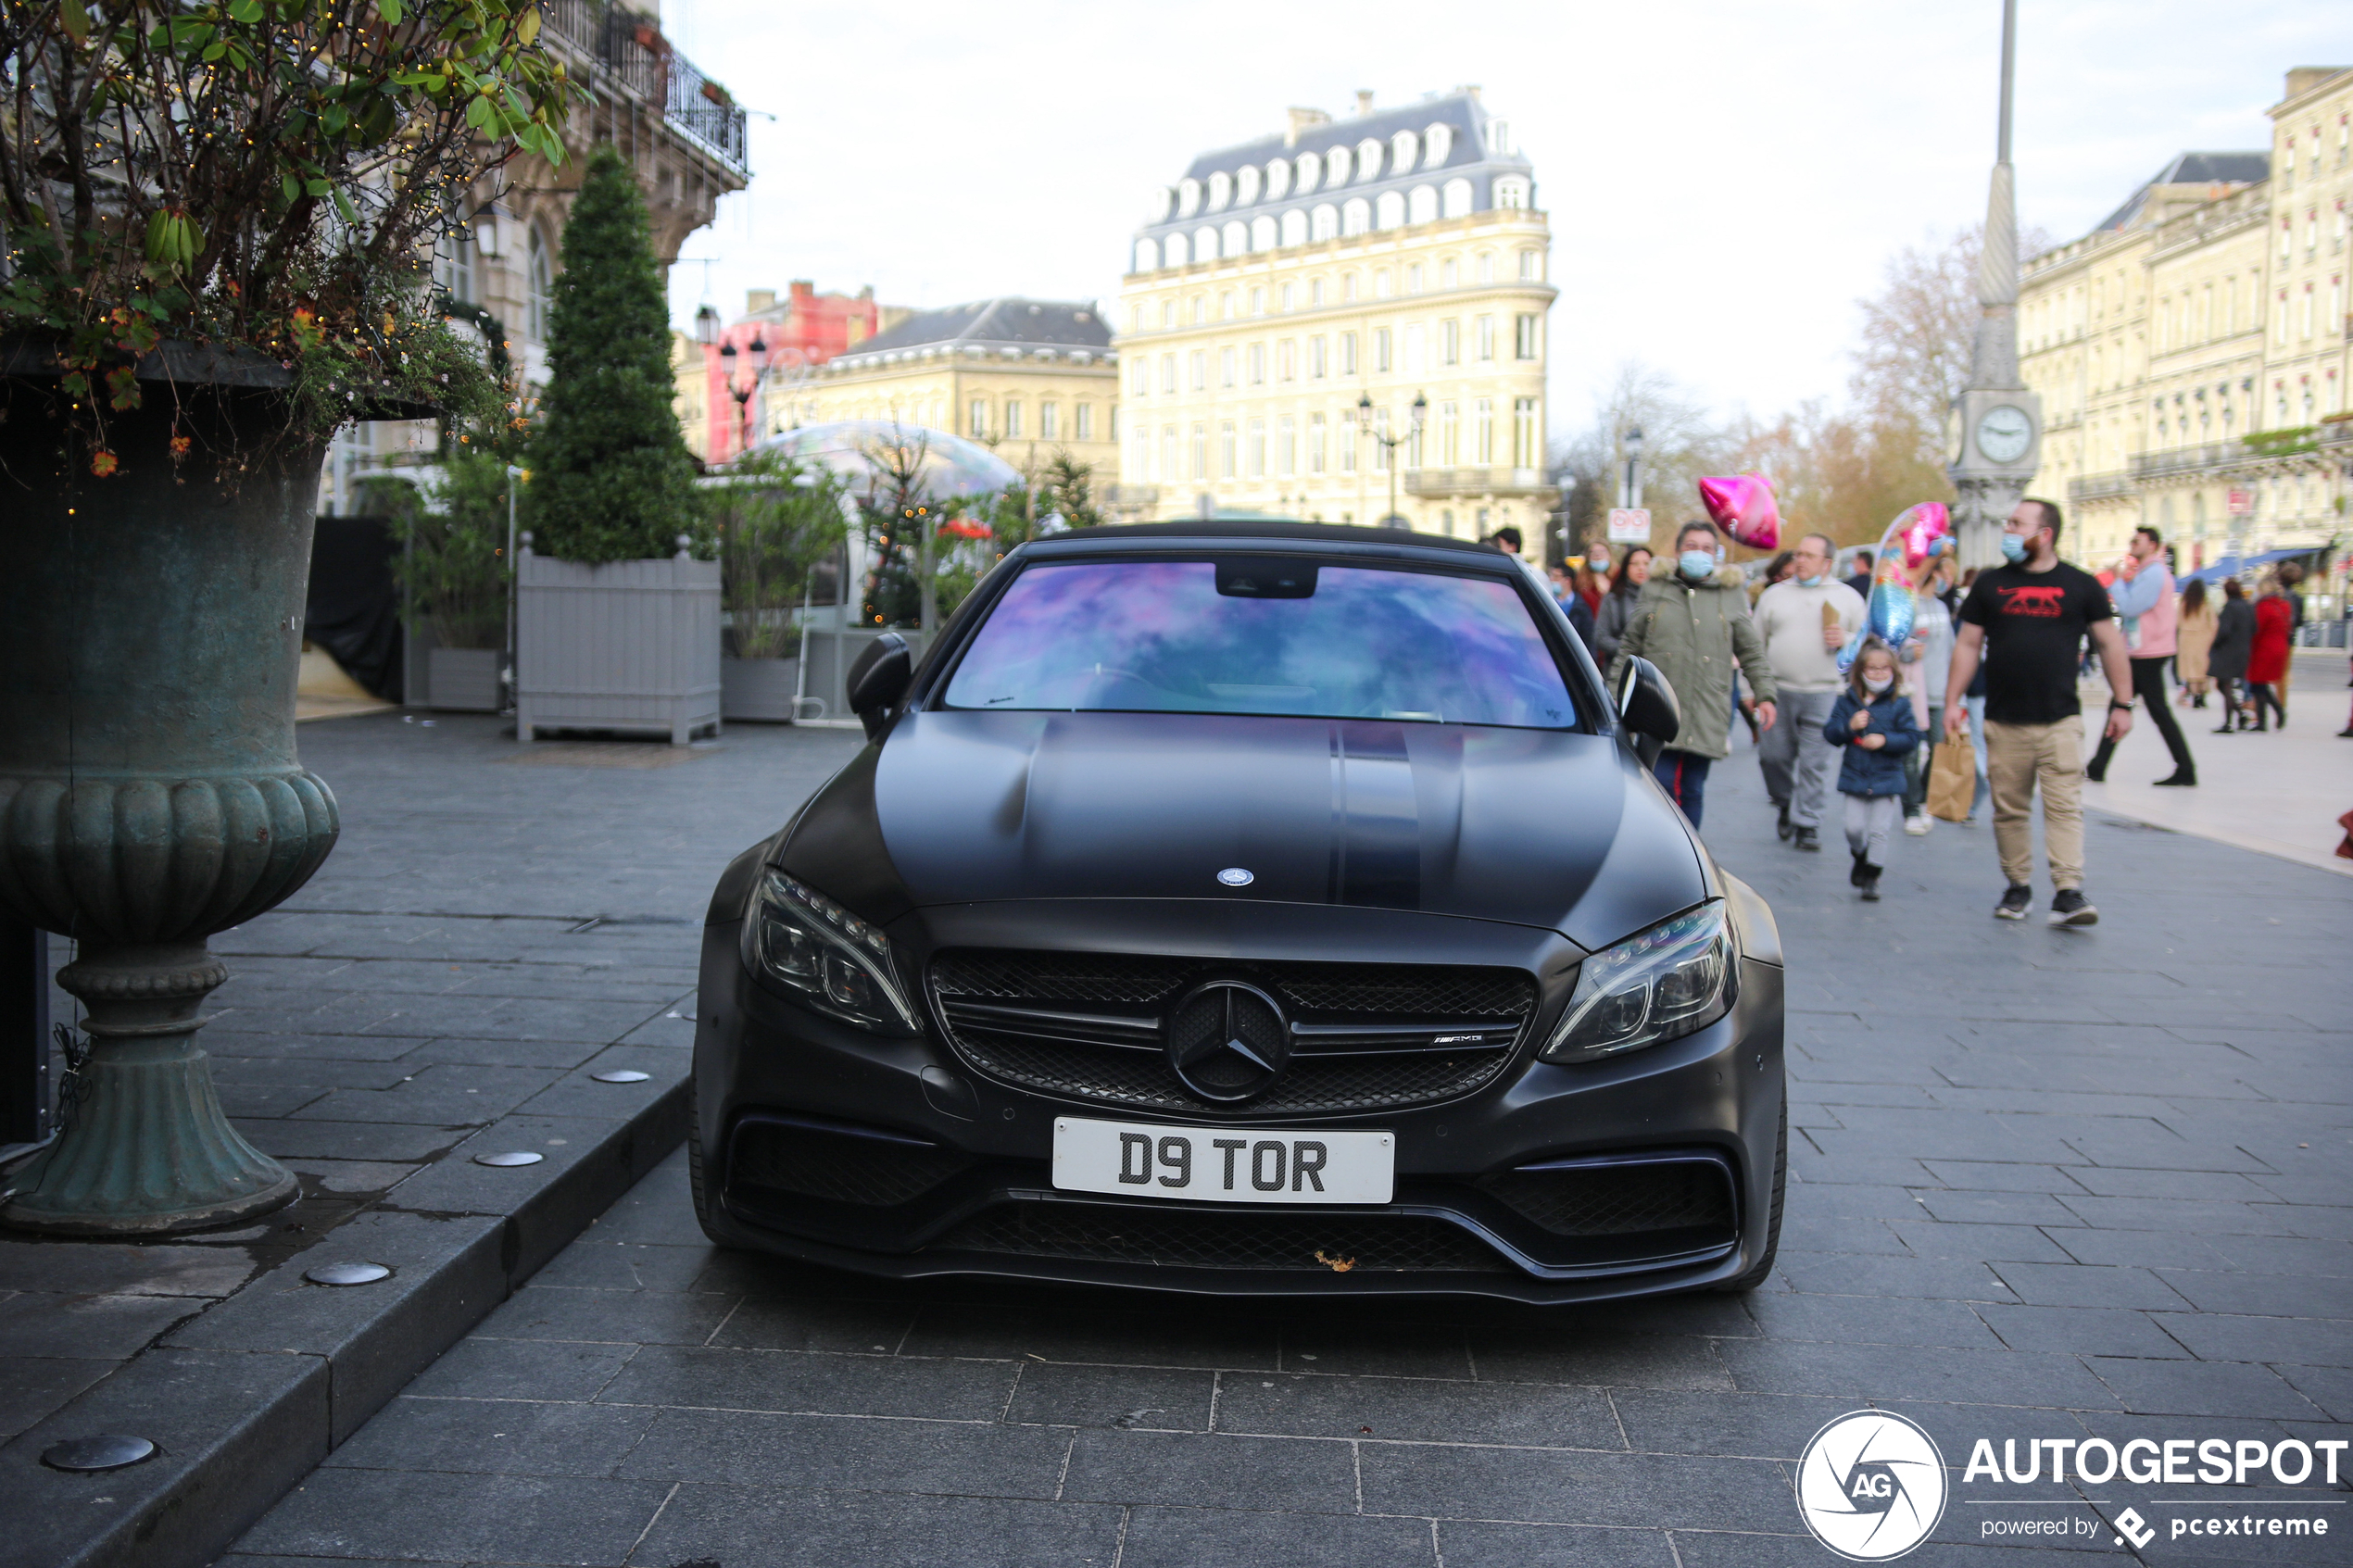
[{"x": 799, "y": 332}]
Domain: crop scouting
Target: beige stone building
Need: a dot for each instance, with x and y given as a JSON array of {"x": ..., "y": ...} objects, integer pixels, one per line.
[
  {"x": 1394, "y": 257},
  {"x": 691, "y": 391},
  {"x": 2192, "y": 350},
  {"x": 1029, "y": 378}
]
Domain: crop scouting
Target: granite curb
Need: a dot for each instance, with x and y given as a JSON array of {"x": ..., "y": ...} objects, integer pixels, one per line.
[{"x": 242, "y": 1400}]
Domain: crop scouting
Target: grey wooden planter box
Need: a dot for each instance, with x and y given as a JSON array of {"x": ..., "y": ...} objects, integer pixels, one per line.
[
  {"x": 630, "y": 646},
  {"x": 462, "y": 680},
  {"x": 759, "y": 690}
]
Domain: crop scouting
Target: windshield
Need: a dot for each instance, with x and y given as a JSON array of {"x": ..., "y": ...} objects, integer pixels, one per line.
[{"x": 1272, "y": 635}]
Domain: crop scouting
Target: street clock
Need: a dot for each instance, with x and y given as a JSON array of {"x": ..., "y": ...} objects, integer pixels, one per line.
[{"x": 2004, "y": 432}]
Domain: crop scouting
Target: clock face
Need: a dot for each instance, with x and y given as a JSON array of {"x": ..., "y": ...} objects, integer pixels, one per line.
[{"x": 2005, "y": 433}]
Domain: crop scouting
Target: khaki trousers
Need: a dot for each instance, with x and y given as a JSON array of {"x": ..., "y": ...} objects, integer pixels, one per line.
[{"x": 2018, "y": 757}]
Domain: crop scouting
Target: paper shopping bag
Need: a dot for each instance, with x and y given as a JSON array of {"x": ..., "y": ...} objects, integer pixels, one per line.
[{"x": 1952, "y": 781}]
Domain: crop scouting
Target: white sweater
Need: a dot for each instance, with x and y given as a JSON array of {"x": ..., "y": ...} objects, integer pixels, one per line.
[{"x": 1789, "y": 620}]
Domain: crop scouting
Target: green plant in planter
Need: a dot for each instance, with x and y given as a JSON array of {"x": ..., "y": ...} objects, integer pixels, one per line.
[
  {"x": 452, "y": 562},
  {"x": 777, "y": 522},
  {"x": 611, "y": 477},
  {"x": 216, "y": 218},
  {"x": 263, "y": 176}
]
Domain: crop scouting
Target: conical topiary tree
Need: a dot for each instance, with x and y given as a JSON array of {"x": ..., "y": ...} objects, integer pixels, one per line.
[{"x": 610, "y": 476}]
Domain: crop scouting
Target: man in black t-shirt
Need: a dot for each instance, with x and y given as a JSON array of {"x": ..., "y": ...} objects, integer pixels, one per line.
[{"x": 2027, "y": 619}]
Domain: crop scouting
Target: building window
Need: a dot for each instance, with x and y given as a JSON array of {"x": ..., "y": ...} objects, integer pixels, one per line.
[
  {"x": 1288, "y": 294},
  {"x": 1381, "y": 288},
  {"x": 1233, "y": 240},
  {"x": 1344, "y": 436},
  {"x": 1421, "y": 204},
  {"x": 1258, "y": 448},
  {"x": 1167, "y": 314},
  {"x": 1316, "y": 367},
  {"x": 1226, "y": 449},
  {"x": 1380, "y": 351},
  {"x": 1316, "y": 294},
  {"x": 1356, "y": 215},
  {"x": 1049, "y": 421},
  {"x": 1314, "y": 443},
  {"x": 1286, "y": 445},
  {"x": 1175, "y": 248},
  {"x": 1082, "y": 422},
  {"x": 1348, "y": 354},
  {"x": 1147, "y": 257},
  {"x": 453, "y": 266},
  {"x": 978, "y": 430},
  {"x": 1322, "y": 222},
  {"x": 1450, "y": 423},
  {"x": 1511, "y": 192},
  {"x": 1168, "y": 372},
  {"x": 1417, "y": 348},
  {"x": 1526, "y": 450},
  {"x": 1200, "y": 368},
  {"x": 538, "y": 284},
  {"x": 1140, "y": 444},
  {"x": 1483, "y": 430},
  {"x": 1414, "y": 278},
  {"x": 1454, "y": 199},
  {"x": 1261, "y": 233},
  {"x": 1347, "y": 287},
  {"x": 1295, "y": 227},
  {"x": 1389, "y": 210},
  {"x": 1450, "y": 342},
  {"x": 1224, "y": 367},
  {"x": 1013, "y": 419},
  {"x": 1382, "y": 452},
  {"x": 1200, "y": 308},
  {"x": 1200, "y": 451},
  {"x": 1143, "y": 377},
  {"x": 1414, "y": 447},
  {"x": 1486, "y": 325},
  {"x": 1486, "y": 266},
  {"x": 1286, "y": 360},
  {"x": 1524, "y": 337},
  {"x": 1168, "y": 469},
  {"x": 1258, "y": 364},
  {"x": 1258, "y": 302},
  {"x": 1226, "y": 305}
]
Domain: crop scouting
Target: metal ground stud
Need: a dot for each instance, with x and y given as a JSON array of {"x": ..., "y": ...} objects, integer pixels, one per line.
[
  {"x": 109, "y": 1450},
  {"x": 512, "y": 1157},
  {"x": 621, "y": 1076},
  {"x": 345, "y": 1273}
]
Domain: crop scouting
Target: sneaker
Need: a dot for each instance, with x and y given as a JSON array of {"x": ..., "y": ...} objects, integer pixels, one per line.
[
  {"x": 2015, "y": 903},
  {"x": 2070, "y": 907},
  {"x": 1784, "y": 827},
  {"x": 2185, "y": 778},
  {"x": 1806, "y": 840},
  {"x": 2095, "y": 775},
  {"x": 1871, "y": 884},
  {"x": 1862, "y": 872},
  {"x": 1918, "y": 824}
]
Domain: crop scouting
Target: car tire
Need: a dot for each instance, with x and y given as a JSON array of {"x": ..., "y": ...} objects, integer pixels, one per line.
[
  {"x": 1763, "y": 1268},
  {"x": 694, "y": 1167}
]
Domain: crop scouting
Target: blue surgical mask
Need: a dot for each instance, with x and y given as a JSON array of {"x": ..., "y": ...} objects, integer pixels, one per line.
[
  {"x": 1697, "y": 564},
  {"x": 1810, "y": 581},
  {"x": 2013, "y": 549},
  {"x": 1876, "y": 684}
]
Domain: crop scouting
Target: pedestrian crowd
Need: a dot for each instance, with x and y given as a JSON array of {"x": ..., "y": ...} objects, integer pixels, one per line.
[{"x": 1979, "y": 703}]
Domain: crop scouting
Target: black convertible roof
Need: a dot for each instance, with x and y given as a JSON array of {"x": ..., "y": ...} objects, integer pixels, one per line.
[{"x": 1330, "y": 532}]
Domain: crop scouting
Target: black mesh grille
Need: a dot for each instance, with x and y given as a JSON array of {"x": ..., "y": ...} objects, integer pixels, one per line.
[
  {"x": 1175, "y": 1239},
  {"x": 1144, "y": 989},
  {"x": 840, "y": 1166},
  {"x": 1623, "y": 1200}
]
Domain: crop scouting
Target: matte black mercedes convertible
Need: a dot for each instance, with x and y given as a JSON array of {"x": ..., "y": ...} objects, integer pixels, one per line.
[{"x": 1279, "y": 908}]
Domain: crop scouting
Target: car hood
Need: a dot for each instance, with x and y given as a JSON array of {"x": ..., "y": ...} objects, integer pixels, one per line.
[{"x": 1534, "y": 827}]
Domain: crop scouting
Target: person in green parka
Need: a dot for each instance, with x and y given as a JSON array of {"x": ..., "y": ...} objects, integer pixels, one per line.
[{"x": 1692, "y": 623}]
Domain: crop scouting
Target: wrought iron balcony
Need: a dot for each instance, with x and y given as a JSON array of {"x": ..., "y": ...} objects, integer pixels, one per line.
[
  {"x": 628, "y": 55},
  {"x": 2211, "y": 457},
  {"x": 2098, "y": 486}
]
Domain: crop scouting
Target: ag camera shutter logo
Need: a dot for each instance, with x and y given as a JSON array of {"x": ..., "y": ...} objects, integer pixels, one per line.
[{"x": 1871, "y": 1486}]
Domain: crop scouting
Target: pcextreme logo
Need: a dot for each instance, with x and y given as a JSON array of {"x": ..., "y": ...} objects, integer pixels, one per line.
[{"x": 1871, "y": 1486}]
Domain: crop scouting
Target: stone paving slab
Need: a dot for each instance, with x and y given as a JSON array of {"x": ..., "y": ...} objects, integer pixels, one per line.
[
  {"x": 434, "y": 993},
  {"x": 2045, "y": 1183}
]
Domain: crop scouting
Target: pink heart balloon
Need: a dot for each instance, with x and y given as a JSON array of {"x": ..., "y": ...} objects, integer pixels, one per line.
[
  {"x": 1743, "y": 506},
  {"x": 1928, "y": 522}
]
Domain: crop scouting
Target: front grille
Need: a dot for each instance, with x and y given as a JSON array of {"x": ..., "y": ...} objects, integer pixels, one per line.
[
  {"x": 1620, "y": 1200},
  {"x": 1223, "y": 1239},
  {"x": 1366, "y": 1037},
  {"x": 843, "y": 1165}
]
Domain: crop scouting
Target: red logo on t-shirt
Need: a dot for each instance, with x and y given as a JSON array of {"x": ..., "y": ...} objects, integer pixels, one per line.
[{"x": 2043, "y": 603}]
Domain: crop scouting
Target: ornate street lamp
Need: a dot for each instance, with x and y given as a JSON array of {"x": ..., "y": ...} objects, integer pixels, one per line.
[
  {"x": 1365, "y": 423},
  {"x": 756, "y": 354}
]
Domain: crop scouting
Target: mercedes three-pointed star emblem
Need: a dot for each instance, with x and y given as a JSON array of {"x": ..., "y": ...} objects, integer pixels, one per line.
[{"x": 1227, "y": 1041}]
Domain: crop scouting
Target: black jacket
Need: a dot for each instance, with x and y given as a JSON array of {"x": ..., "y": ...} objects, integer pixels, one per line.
[{"x": 2233, "y": 640}]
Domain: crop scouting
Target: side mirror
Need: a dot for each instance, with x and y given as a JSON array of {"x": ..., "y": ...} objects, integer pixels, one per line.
[
  {"x": 1647, "y": 710},
  {"x": 878, "y": 679}
]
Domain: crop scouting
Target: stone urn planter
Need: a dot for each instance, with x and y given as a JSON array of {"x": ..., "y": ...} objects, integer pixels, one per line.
[
  {"x": 150, "y": 632},
  {"x": 628, "y": 646}
]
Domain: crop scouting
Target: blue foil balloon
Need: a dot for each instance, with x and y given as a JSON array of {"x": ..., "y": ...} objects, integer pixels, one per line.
[{"x": 1892, "y": 606}]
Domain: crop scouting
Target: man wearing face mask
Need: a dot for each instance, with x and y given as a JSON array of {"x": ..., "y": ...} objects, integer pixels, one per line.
[
  {"x": 1692, "y": 623},
  {"x": 2025, "y": 618},
  {"x": 1802, "y": 624}
]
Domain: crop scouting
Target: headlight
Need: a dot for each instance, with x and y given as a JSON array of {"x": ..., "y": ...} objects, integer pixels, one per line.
[
  {"x": 1672, "y": 979},
  {"x": 828, "y": 958}
]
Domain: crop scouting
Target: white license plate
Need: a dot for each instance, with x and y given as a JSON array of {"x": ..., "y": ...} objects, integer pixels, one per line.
[{"x": 1223, "y": 1164}]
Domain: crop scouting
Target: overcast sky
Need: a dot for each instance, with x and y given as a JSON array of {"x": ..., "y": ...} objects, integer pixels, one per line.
[{"x": 1724, "y": 179}]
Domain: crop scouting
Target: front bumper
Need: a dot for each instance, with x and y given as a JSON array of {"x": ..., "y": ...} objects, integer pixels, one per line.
[{"x": 892, "y": 1156}]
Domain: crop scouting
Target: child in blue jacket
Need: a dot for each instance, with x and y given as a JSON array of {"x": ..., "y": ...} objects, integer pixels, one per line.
[{"x": 1872, "y": 719}]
